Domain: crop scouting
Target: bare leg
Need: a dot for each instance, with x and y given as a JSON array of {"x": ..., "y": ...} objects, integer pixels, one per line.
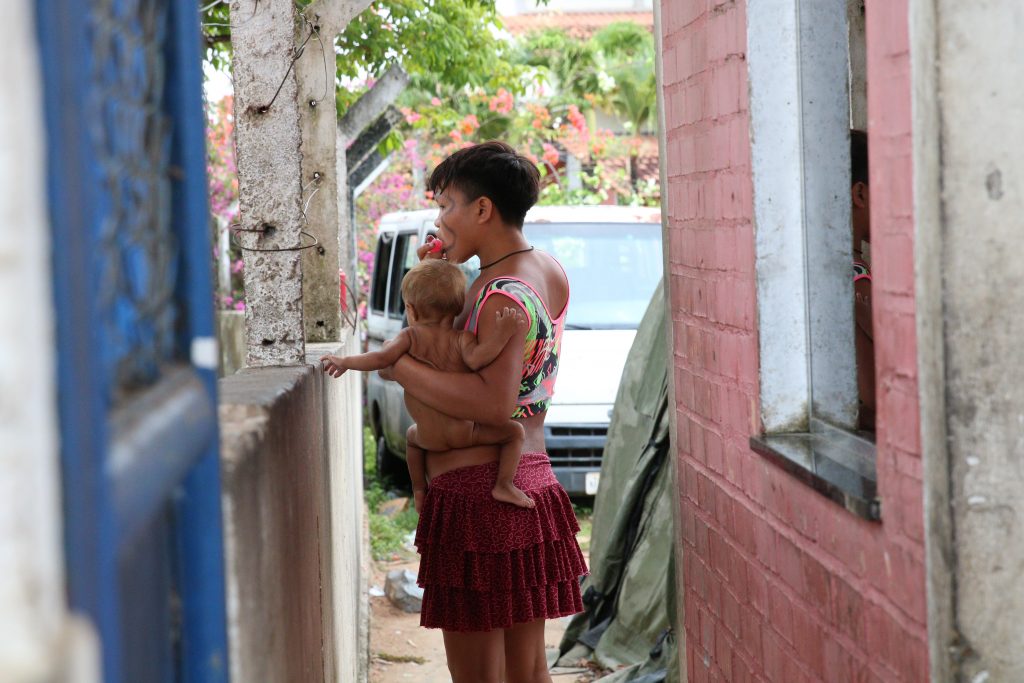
[
  {"x": 415, "y": 458},
  {"x": 525, "y": 658},
  {"x": 510, "y": 437},
  {"x": 475, "y": 657}
]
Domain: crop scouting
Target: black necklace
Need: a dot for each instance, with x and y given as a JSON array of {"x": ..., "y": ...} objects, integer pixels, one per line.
[{"x": 494, "y": 263}]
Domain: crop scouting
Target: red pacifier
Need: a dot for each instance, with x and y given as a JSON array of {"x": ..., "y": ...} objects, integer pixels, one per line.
[{"x": 436, "y": 245}]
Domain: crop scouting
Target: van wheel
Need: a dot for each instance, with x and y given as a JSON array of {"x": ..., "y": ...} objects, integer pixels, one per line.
[{"x": 390, "y": 467}]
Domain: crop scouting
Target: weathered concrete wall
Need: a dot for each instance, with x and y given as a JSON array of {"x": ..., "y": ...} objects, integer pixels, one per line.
[
  {"x": 343, "y": 427},
  {"x": 276, "y": 524},
  {"x": 969, "y": 133},
  {"x": 39, "y": 641},
  {"x": 780, "y": 583},
  {"x": 291, "y": 446}
]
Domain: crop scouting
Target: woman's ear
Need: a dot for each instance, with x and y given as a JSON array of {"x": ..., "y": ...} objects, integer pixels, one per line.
[{"x": 484, "y": 209}]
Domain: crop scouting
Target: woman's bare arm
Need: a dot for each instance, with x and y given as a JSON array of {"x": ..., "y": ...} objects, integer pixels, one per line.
[
  {"x": 487, "y": 396},
  {"x": 479, "y": 351}
]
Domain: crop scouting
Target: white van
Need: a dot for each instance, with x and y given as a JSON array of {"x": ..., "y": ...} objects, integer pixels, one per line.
[{"x": 612, "y": 255}]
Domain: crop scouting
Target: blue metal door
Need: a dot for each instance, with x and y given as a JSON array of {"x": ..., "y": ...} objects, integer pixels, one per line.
[{"x": 126, "y": 172}]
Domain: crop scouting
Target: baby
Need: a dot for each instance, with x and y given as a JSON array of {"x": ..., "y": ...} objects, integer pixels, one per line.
[{"x": 434, "y": 291}]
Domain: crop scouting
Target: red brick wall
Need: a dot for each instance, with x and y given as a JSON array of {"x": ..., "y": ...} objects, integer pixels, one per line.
[{"x": 781, "y": 584}]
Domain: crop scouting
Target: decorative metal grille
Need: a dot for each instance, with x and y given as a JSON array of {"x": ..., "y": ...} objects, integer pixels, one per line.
[{"x": 137, "y": 251}]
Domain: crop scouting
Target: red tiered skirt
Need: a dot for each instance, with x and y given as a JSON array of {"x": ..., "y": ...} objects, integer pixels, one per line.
[{"x": 486, "y": 565}]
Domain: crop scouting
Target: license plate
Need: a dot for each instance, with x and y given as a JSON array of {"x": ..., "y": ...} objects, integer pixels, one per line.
[{"x": 590, "y": 483}]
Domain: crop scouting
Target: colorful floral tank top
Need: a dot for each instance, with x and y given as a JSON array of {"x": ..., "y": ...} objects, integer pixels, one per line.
[{"x": 543, "y": 342}]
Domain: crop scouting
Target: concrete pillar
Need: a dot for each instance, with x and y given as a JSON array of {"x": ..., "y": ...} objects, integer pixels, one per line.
[
  {"x": 267, "y": 140},
  {"x": 969, "y": 198},
  {"x": 285, "y": 81},
  {"x": 323, "y": 168},
  {"x": 38, "y": 639},
  {"x": 323, "y": 194}
]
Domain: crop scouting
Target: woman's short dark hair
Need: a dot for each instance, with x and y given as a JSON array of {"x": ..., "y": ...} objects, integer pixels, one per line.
[{"x": 493, "y": 170}]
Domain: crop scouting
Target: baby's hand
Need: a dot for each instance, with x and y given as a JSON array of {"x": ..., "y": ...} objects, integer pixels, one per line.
[
  {"x": 509, "y": 319},
  {"x": 334, "y": 365}
]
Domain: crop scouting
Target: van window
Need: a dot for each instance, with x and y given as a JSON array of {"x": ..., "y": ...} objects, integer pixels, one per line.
[
  {"x": 404, "y": 259},
  {"x": 381, "y": 268}
]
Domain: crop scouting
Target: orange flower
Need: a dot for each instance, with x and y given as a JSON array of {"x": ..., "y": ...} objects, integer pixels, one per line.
[{"x": 469, "y": 124}]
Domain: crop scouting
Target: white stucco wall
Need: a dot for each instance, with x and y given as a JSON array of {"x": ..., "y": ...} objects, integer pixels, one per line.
[
  {"x": 968, "y": 200},
  {"x": 37, "y": 639}
]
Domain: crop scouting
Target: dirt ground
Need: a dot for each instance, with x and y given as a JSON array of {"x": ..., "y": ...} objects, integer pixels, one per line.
[{"x": 401, "y": 651}]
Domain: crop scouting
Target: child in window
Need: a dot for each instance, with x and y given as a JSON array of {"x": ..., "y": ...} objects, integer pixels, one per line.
[
  {"x": 434, "y": 292},
  {"x": 860, "y": 195}
]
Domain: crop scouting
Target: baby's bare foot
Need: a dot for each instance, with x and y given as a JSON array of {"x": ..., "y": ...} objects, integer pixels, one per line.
[{"x": 509, "y": 493}]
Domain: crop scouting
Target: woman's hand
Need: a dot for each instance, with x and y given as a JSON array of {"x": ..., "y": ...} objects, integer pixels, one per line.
[{"x": 432, "y": 248}]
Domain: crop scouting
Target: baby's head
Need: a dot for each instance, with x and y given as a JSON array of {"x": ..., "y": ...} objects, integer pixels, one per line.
[{"x": 434, "y": 289}]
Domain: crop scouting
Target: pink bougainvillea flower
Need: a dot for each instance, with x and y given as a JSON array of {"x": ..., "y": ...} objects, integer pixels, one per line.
[
  {"x": 550, "y": 154},
  {"x": 435, "y": 101},
  {"x": 239, "y": 305},
  {"x": 578, "y": 120},
  {"x": 502, "y": 102}
]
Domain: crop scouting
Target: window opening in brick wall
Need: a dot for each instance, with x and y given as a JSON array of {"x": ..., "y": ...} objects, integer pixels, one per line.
[{"x": 808, "y": 87}]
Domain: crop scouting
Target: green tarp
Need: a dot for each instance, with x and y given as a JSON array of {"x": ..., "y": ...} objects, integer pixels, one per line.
[{"x": 629, "y": 622}]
